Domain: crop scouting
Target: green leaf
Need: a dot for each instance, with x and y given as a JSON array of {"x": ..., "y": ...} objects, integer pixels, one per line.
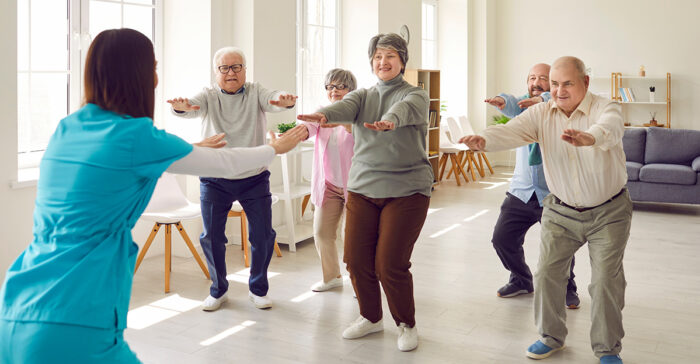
[{"x": 282, "y": 127}]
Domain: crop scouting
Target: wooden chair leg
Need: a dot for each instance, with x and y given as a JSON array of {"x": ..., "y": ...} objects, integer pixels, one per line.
[
  {"x": 453, "y": 158},
  {"x": 187, "y": 240},
  {"x": 304, "y": 203},
  {"x": 460, "y": 170},
  {"x": 449, "y": 173},
  {"x": 142, "y": 254},
  {"x": 479, "y": 165},
  {"x": 277, "y": 249},
  {"x": 441, "y": 165},
  {"x": 244, "y": 239},
  {"x": 481, "y": 154},
  {"x": 168, "y": 264},
  {"x": 472, "y": 165}
]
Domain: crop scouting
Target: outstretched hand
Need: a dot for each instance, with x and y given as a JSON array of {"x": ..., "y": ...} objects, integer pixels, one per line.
[
  {"x": 215, "y": 141},
  {"x": 180, "y": 104},
  {"x": 497, "y": 101},
  {"x": 525, "y": 103},
  {"x": 474, "y": 142},
  {"x": 285, "y": 101},
  {"x": 578, "y": 138},
  {"x": 382, "y": 125},
  {"x": 289, "y": 139},
  {"x": 316, "y": 117}
]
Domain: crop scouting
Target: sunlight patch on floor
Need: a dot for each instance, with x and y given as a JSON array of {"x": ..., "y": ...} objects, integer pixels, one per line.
[
  {"x": 160, "y": 310},
  {"x": 226, "y": 333}
]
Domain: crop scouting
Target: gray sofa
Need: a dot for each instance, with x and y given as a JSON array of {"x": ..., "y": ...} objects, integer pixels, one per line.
[{"x": 663, "y": 165}]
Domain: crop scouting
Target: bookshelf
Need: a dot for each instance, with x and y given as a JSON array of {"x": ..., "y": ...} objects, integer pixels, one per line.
[
  {"x": 632, "y": 110},
  {"x": 429, "y": 80}
]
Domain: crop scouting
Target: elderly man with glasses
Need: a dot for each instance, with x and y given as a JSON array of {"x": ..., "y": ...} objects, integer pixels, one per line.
[{"x": 237, "y": 108}]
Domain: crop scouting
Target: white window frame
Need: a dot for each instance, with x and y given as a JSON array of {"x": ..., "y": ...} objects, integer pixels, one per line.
[
  {"x": 302, "y": 52},
  {"x": 424, "y": 39},
  {"x": 79, "y": 42}
]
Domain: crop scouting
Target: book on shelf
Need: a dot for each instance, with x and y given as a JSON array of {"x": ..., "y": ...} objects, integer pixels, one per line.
[
  {"x": 627, "y": 95},
  {"x": 632, "y": 97},
  {"x": 432, "y": 118}
]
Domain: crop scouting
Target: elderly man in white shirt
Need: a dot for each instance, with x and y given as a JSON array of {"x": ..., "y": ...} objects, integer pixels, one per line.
[{"x": 580, "y": 135}]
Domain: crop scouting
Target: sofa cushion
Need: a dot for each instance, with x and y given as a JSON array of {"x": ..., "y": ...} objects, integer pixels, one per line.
[
  {"x": 696, "y": 164},
  {"x": 633, "y": 144},
  {"x": 675, "y": 174},
  {"x": 633, "y": 170},
  {"x": 673, "y": 146}
]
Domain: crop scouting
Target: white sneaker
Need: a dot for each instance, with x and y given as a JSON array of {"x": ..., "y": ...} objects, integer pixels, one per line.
[
  {"x": 408, "y": 337},
  {"x": 212, "y": 304},
  {"x": 362, "y": 327},
  {"x": 325, "y": 286},
  {"x": 260, "y": 302}
]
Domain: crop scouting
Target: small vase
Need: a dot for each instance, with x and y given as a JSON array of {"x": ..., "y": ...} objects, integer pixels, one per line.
[{"x": 651, "y": 97}]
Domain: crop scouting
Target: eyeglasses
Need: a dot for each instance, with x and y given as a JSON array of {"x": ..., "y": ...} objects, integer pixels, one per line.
[
  {"x": 339, "y": 87},
  {"x": 235, "y": 67}
]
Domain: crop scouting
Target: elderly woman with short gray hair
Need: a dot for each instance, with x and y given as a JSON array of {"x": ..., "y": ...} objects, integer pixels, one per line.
[
  {"x": 329, "y": 179},
  {"x": 388, "y": 188}
]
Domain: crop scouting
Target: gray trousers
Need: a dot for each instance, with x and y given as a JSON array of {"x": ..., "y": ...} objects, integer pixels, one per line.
[{"x": 606, "y": 228}]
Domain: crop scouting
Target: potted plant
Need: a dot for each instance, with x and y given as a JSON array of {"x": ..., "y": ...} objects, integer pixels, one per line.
[{"x": 283, "y": 127}]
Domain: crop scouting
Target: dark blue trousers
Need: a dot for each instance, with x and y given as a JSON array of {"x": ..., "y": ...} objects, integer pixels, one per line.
[
  {"x": 217, "y": 195},
  {"x": 515, "y": 220}
]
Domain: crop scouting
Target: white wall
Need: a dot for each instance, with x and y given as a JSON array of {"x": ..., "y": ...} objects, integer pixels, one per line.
[
  {"x": 609, "y": 36},
  {"x": 395, "y": 13},
  {"x": 359, "y": 24}
]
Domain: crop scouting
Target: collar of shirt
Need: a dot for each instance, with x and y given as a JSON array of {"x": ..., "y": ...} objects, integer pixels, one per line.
[
  {"x": 240, "y": 91},
  {"x": 584, "y": 106}
]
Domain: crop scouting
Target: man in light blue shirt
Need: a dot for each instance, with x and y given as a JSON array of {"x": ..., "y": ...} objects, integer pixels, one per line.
[{"x": 522, "y": 206}]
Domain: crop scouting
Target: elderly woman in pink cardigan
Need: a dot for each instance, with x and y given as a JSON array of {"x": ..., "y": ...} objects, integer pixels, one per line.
[{"x": 333, "y": 152}]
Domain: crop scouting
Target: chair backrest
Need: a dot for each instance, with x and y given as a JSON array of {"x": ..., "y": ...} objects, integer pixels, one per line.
[
  {"x": 445, "y": 139},
  {"x": 167, "y": 196},
  {"x": 455, "y": 130},
  {"x": 466, "y": 126}
]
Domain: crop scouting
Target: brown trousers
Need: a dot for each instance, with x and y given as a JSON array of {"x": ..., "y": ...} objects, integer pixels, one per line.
[{"x": 379, "y": 238}]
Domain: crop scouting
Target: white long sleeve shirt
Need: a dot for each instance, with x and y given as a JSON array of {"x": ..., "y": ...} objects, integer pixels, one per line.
[{"x": 579, "y": 176}]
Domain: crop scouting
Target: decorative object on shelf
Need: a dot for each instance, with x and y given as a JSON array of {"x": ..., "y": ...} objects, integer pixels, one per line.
[
  {"x": 421, "y": 85},
  {"x": 642, "y": 73},
  {"x": 625, "y": 96},
  {"x": 405, "y": 33},
  {"x": 282, "y": 127},
  {"x": 653, "y": 121},
  {"x": 500, "y": 119},
  {"x": 652, "y": 89}
]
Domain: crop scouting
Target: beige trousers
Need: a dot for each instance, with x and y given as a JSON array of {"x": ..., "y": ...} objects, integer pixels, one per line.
[
  {"x": 606, "y": 229},
  {"x": 327, "y": 218}
]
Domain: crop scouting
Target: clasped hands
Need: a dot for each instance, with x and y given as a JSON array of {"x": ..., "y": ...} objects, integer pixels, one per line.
[{"x": 321, "y": 119}]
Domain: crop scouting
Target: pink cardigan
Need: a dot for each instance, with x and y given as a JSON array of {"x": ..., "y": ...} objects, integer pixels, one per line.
[{"x": 345, "y": 142}]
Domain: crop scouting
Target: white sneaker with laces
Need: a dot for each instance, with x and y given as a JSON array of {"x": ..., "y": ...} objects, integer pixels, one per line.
[
  {"x": 260, "y": 302},
  {"x": 325, "y": 286},
  {"x": 362, "y": 327},
  {"x": 408, "y": 337},
  {"x": 212, "y": 304}
]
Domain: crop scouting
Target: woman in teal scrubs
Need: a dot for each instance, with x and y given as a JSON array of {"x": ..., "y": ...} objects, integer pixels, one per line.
[{"x": 65, "y": 298}]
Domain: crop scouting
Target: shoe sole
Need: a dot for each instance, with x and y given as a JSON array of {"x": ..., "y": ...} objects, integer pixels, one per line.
[
  {"x": 545, "y": 355},
  {"x": 327, "y": 288},
  {"x": 573, "y": 307},
  {"x": 379, "y": 329},
  {"x": 516, "y": 293},
  {"x": 408, "y": 349},
  {"x": 214, "y": 308},
  {"x": 261, "y": 307}
]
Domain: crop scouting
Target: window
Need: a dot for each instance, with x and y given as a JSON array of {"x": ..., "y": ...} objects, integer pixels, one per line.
[
  {"x": 429, "y": 34},
  {"x": 52, "y": 41},
  {"x": 318, "y": 50}
]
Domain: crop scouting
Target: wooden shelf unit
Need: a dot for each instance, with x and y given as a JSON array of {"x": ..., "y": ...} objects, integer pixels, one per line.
[
  {"x": 430, "y": 81},
  {"x": 616, "y": 81}
]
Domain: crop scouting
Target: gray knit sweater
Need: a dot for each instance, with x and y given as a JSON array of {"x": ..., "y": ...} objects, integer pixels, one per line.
[
  {"x": 241, "y": 116},
  {"x": 387, "y": 163}
]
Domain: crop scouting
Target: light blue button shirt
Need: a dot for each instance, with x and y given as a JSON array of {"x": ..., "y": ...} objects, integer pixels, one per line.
[
  {"x": 526, "y": 178},
  {"x": 97, "y": 175}
]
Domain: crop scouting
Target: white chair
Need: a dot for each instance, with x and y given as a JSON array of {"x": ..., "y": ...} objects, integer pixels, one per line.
[
  {"x": 450, "y": 151},
  {"x": 169, "y": 206},
  {"x": 237, "y": 211},
  {"x": 468, "y": 130},
  {"x": 465, "y": 157}
]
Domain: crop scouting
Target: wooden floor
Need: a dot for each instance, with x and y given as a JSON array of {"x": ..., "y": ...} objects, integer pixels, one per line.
[{"x": 459, "y": 317}]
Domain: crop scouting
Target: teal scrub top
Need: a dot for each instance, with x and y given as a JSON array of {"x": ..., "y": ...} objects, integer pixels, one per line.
[{"x": 97, "y": 176}]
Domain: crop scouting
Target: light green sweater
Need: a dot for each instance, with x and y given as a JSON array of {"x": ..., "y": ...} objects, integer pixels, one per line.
[{"x": 387, "y": 163}]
